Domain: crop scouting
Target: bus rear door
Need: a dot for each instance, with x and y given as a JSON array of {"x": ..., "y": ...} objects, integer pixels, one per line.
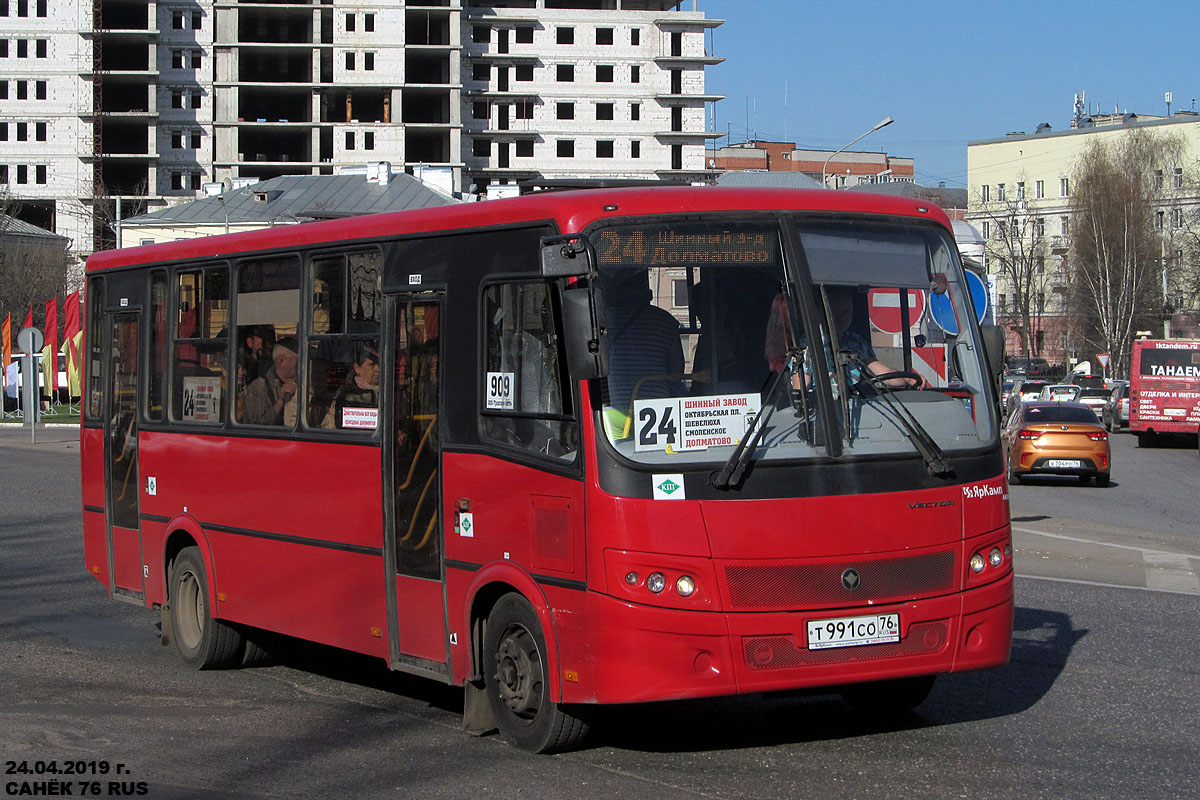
[{"x": 121, "y": 484}]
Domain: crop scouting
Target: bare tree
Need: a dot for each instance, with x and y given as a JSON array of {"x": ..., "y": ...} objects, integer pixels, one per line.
[
  {"x": 1116, "y": 250},
  {"x": 33, "y": 269},
  {"x": 1017, "y": 248}
]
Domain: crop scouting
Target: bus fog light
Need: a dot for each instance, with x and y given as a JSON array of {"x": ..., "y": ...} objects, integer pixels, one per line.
[
  {"x": 685, "y": 586},
  {"x": 631, "y": 578},
  {"x": 656, "y": 582},
  {"x": 995, "y": 557},
  {"x": 977, "y": 563}
]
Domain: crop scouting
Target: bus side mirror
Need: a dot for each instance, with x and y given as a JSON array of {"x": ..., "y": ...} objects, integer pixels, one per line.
[
  {"x": 565, "y": 256},
  {"x": 584, "y": 329},
  {"x": 993, "y": 346}
]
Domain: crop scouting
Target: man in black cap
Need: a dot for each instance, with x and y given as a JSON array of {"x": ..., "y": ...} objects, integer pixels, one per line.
[{"x": 266, "y": 396}]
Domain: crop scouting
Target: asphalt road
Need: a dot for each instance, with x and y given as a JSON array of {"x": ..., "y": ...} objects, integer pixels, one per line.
[{"x": 1100, "y": 700}]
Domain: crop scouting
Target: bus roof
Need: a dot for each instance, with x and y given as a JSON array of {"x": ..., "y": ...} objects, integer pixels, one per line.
[{"x": 571, "y": 211}]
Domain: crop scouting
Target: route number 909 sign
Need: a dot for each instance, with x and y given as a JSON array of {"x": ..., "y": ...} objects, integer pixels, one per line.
[{"x": 692, "y": 423}]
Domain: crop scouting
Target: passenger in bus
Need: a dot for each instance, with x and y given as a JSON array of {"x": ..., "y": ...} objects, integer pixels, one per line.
[
  {"x": 253, "y": 358},
  {"x": 266, "y": 396},
  {"x": 361, "y": 390},
  {"x": 645, "y": 351}
]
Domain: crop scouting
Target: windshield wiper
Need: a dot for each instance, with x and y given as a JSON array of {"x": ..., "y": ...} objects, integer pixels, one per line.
[
  {"x": 739, "y": 459},
  {"x": 935, "y": 458}
]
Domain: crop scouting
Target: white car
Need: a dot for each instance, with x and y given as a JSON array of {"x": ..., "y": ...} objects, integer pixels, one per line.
[{"x": 1060, "y": 392}]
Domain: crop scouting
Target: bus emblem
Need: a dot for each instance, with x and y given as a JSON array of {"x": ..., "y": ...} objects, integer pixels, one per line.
[
  {"x": 668, "y": 487},
  {"x": 851, "y": 580}
]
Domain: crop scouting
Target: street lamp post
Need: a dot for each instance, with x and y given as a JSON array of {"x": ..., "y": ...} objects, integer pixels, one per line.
[{"x": 883, "y": 123}]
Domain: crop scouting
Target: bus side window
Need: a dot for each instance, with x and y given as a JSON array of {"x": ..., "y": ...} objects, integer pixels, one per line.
[
  {"x": 343, "y": 341},
  {"x": 201, "y": 346},
  {"x": 525, "y": 396}
]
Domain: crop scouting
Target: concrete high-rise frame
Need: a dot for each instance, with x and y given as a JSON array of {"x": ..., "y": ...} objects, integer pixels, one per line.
[{"x": 113, "y": 107}]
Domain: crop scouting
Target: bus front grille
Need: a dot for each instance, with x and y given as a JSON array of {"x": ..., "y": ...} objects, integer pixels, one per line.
[{"x": 804, "y": 586}]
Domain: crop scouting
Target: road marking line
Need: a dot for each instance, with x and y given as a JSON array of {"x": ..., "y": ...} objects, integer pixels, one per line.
[
  {"x": 1142, "y": 550},
  {"x": 1102, "y": 585},
  {"x": 1170, "y": 571}
]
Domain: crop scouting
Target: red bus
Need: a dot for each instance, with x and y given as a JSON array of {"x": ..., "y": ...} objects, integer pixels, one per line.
[
  {"x": 563, "y": 450},
  {"x": 1164, "y": 388}
]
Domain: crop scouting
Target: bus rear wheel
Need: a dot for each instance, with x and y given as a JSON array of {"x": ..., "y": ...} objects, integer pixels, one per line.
[
  {"x": 202, "y": 642},
  {"x": 517, "y": 680}
]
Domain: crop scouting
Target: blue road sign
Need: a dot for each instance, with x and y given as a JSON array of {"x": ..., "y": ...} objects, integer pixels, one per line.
[{"x": 943, "y": 311}]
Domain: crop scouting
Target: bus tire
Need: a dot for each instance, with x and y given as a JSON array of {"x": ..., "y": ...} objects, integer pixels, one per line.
[
  {"x": 202, "y": 641},
  {"x": 890, "y": 696},
  {"x": 517, "y": 682}
]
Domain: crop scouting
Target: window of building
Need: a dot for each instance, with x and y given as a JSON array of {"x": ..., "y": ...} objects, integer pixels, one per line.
[
  {"x": 1158, "y": 220},
  {"x": 40, "y": 48},
  {"x": 350, "y": 23},
  {"x": 1040, "y": 264},
  {"x": 1039, "y": 227},
  {"x": 22, "y": 131},
  {"x": 22, "y": 48},
  {"x": 481, "y": 148},
  {"x": 176, "y": 98},
  {"x": 1177, "y": 178},
  {"x": 3, "y": 48},
  {"x": 1002, "y": 304},
  {"x": 343, "y": 342},
  {"x": 1039, "y": 190},
  {"x": 4, "y": 173},
  {"x": 565, "y": 148},
  {"x": 178, "y": 20},
  {"x": 481, "y": 72},
  {"x": 1158, "y": 173},
  {"x": 22, "y": 90},
  {"x": 3, "y": 131},
  {"x": 368, "y": 140},
  {"x": 985, "y": 193},
  {"x": 525, "y": 148},
  {"x": 197, "y": 98},
  {"x": 177, "y": 59},
  {"x": 350, "y": 60},
  {"x": 604, "y": 148},
  {"x": 3, "y": 90},
  {"x": 604, "y": 73},
  {"x": 176, "y": 180},
  {"x": 1065, "y": 225},
  {"x": 1020, "y": 190},
  {"x": 635, "y": 111},
  {"x": 565, "y": 35},
  {"x": 635, "y": 74},
  {"x": 524, "y": 34},
  {"x": 369, "y": 23},
  {"x": 524, "y": 72},
  {"x": 564, "y": 110},
  {"x": 22, "y": 173},
  {"x": 1176, "y": 218},
  {"x": 197, "y": 58},
  {"x": 1064, "y": 187},
  {"x": 604, "y": 35},
  {"x": 479, "y": 110},
  {"x": 1000, "y": 192},
  {"x": 368, "y": 61},
  {"x": 481, "y": 34},
  {"x": 635, "y": 36},
  {"x": 565, "y": 73},
  {"x": 197, "y": 18},
  {"x": 524, "y": 109},
  {"x": 201, "y": 346},
  {"x": 176, "y": 140},
  {"x": 604, "y": 111},
  {"x": 195, "y": 139},
  {"x": 349, "y": 140},
  {"x": 987, "y": 230},
  {"x": 635, "y": 149},
  {"x": 39, "y": 90}
]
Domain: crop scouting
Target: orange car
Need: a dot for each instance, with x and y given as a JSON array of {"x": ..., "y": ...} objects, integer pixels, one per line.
[{"x": 1057, "y": 439}]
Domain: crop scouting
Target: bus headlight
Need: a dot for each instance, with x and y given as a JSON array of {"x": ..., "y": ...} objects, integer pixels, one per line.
[
  {"x": 655, "y": 582},
  {"x": 995, "y": 557},
  {"x": 685, "y": 586},
  {"x": 977, "y": 563}
]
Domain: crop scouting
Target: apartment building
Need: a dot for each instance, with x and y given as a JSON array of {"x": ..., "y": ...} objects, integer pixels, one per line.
[
  {"x": 1024, "y": 179},
  {"x": 110, "y": 108}
]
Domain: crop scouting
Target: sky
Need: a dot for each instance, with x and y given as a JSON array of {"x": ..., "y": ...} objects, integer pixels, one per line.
[{"x": 822, "y": 72}]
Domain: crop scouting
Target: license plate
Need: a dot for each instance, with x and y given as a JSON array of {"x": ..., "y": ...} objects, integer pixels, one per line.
[
  {"x": 853, "y": 631},
  {"x": 1063, "y": 463}
]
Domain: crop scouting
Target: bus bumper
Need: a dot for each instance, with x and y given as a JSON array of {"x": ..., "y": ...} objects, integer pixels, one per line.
[{"x": 645, "y": 654}]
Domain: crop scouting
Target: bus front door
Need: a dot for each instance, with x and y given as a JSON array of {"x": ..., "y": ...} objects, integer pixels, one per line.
[
  {"x": 121, "y": 485},
  {"x": 412, "y": 484}
]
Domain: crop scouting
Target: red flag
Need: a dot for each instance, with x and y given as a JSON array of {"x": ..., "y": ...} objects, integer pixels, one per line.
[
  {"x": 29, "y": 317},
  {"x": 52, "y": 340},
  {"x": 5, "y": 345},
  {"x": 71, "y": 324}
]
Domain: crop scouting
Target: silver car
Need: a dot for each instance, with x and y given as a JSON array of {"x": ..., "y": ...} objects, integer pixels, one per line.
[{"x": 1115, "y": 414}]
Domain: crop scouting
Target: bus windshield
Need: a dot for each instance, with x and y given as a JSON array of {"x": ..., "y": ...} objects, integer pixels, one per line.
[{"x": 704, "y": 317}]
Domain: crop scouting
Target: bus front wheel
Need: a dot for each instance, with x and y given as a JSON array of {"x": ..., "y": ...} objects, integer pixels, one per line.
[
  {"x": 517, "y": 678},
  {"x": 202, "y": 641}
]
